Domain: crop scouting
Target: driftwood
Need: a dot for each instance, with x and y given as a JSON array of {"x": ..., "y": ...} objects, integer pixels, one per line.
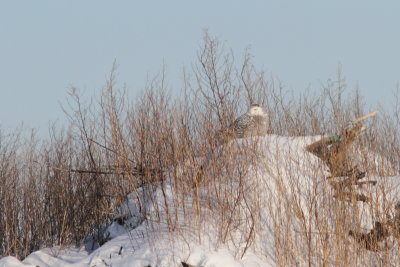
[
  {"x": 344, "y": 179},
  {"x": 375, "y": 239},
  {"x": 334, "y": 152}
]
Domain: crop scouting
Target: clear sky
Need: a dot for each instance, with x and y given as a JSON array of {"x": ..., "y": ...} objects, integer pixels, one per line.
[{"x": 48, "y": 46}]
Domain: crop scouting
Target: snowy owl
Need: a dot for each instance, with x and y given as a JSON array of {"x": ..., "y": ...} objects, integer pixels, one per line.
[{"x": 253, "y": 123}]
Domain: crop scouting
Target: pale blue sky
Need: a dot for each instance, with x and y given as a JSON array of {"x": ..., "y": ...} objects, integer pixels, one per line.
[{"x": 47, "y": 46}]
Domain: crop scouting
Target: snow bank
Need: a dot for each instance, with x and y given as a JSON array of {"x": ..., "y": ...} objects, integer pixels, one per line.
[{"x": 283, "y": 199}]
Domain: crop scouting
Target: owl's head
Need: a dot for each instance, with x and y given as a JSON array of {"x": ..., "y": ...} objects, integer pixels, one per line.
[{"x": 256, "y": 110}]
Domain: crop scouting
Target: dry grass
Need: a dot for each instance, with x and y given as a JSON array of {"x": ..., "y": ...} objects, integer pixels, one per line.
[{"x": 61, "y": 190}]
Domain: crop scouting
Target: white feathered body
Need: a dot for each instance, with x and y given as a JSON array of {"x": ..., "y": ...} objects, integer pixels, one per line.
[
  {"x": 254, "y": 122},
  {"x": 250, "y": 125}
]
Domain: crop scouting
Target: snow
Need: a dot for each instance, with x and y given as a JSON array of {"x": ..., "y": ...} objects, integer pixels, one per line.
[
  {"x": 284, "y": 179},
  {"x": 10, "y": 261}
]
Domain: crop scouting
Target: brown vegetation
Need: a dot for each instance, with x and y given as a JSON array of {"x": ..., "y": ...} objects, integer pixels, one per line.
[{"x": 61, "y": 190}]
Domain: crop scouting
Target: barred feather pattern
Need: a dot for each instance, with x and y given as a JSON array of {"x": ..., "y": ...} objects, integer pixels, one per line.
[
  {"x": 253, "y": 123},
  {"x": 248, "y": 125}
]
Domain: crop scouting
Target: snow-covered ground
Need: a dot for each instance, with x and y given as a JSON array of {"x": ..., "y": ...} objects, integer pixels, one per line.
[{"x": 285, "y": 200}]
